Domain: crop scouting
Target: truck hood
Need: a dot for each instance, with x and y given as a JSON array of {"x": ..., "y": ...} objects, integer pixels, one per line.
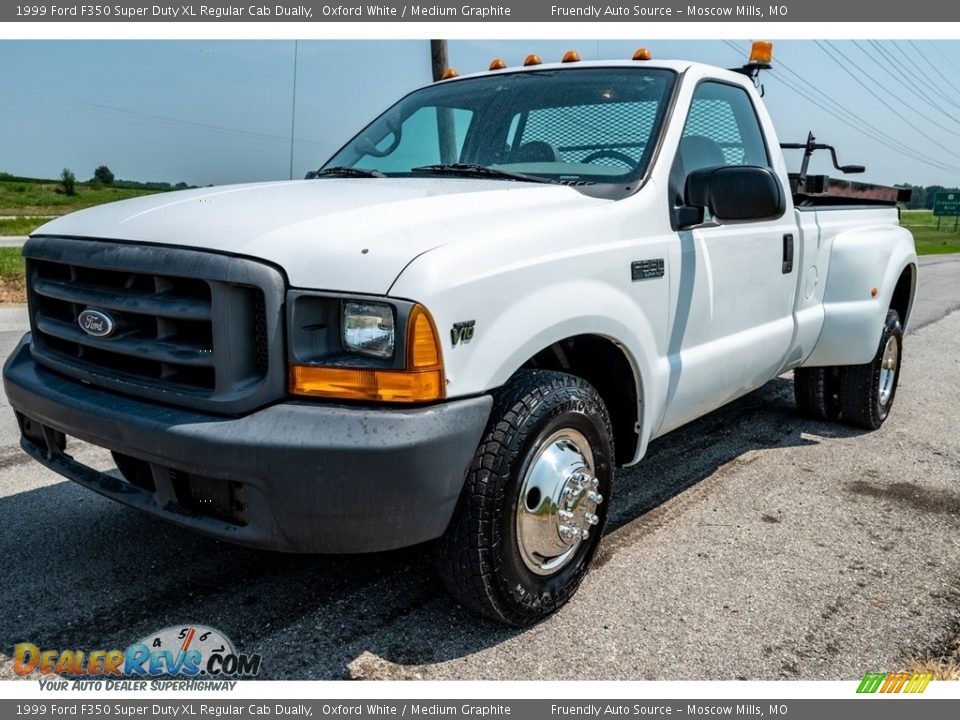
[{"x": 346, "y": 234}]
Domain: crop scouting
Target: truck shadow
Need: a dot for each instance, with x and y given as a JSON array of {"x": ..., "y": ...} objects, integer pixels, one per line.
[{"x": 85, "y": 573}]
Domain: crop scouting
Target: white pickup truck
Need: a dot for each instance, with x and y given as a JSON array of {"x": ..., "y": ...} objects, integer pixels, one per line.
[{"x": 499, "y": 291}]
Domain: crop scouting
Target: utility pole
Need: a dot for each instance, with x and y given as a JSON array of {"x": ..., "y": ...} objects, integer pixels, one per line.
[
  {"x": 439, "y": 58},
  {"x": 293, "y": 106},
  {"x": 447, "y": 132}
]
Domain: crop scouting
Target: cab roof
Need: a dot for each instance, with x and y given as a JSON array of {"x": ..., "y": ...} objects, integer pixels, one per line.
[{"x": 678, "y": 66}]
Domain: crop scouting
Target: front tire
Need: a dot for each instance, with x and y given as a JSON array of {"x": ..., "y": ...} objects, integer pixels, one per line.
[
  {"x": 533, "y": 507},
  {"x": 867, "y": 391}
]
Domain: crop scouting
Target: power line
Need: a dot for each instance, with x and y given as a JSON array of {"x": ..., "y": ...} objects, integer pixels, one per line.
[
  {"x": 862, "y": 84},
  {"x": 892, "y": 146},
  {"x": 935, "y": 66},
  {"x": 921, "y": 76},
  {"x": 176, "y": 122},
  {"x": 829, "y": 106},
  {"x": 911, "y": 84},
  {"x": 906, "y": 103},
  {"x": 942, "y": 54}
]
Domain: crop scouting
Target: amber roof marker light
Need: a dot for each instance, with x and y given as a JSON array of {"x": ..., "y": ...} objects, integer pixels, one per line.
[
  {"x": 497, "y": 64},
  {"x": 642, "y": 54},
  {"x": 570, "y": 56},
  {"x": 532, "y": 59},
  {"x": 449, "y": 74}
]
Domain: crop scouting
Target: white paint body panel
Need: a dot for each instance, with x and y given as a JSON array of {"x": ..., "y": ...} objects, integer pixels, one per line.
[{"x": 535, "y": 264}]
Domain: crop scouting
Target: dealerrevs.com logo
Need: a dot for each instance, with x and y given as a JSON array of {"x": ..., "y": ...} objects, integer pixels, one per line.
[{"x": 186, "y": 657}]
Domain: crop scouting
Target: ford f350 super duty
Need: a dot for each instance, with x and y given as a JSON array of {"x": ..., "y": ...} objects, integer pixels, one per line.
[{"x": 499, "y": 291}]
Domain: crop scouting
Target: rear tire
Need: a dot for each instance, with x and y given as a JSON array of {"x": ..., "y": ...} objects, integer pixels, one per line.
[
  {"x": 533, "y": 507},
  {"x": 867, "y": 391},
  {"x": 817, "y": 392}
]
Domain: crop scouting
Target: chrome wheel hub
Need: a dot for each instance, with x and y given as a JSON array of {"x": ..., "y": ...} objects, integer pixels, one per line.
[
  {"x": 888, "y": 369},
  {"x": 557, "y": 507}
]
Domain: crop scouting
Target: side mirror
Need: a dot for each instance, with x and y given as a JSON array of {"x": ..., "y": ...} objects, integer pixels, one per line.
[{"x": 736, "y": 192}]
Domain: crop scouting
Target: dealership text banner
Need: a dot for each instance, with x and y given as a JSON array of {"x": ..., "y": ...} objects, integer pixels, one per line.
[{"x": 516, "y": 11}]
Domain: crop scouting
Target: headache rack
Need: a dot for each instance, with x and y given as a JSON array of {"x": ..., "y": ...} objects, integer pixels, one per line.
[{"x": 825, "y": 190}]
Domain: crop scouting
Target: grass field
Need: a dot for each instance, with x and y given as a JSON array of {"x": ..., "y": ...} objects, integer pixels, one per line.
[
  {"x": 20, "y": 225},
  {"x": 12, "y": 282},
  {"x": 931, "y": 241},
  {"x": 32, "y": 202}
]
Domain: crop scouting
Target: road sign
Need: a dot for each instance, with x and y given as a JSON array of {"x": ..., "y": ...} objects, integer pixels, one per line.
[{"x": 946, "y": 204}]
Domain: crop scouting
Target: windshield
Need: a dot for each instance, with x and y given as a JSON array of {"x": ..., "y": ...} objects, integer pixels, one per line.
[{"x": 584, "y": 126}]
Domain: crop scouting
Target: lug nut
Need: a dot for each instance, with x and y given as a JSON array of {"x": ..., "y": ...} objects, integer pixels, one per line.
[
  {"x": 594, "y": 482},
  {"x": 567, "y": 532},
  {"x": 565, "y": 515},
  {"x": 584, "y": 534},
  {"x": 591, "y": 518},
  {"x": 595, "y": 497}
]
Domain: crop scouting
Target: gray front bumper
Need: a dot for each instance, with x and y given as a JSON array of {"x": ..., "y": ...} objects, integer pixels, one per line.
[{"x": 315, "y": 477}]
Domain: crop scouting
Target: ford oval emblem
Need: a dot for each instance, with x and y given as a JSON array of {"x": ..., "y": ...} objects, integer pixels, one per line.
[{"x": 96, "y": 323}]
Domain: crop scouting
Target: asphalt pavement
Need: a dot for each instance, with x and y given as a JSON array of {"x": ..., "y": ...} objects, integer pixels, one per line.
[{"x": 749, "y": 544}]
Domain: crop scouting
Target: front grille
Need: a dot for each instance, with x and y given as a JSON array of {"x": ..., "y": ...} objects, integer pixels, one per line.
[
  {"x": 190, "y": 328},
  {"x": 164, "y": 324}
]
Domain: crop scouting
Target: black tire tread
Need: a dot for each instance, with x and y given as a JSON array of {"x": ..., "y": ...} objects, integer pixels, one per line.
[
  {"x": 858, "y": 384},
  {"x": 811, "y": 393},
  {"x": 465, "y": 555}
]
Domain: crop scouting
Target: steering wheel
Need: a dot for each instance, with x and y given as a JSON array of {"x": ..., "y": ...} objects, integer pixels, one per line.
[{"x": 609, "y": 153}]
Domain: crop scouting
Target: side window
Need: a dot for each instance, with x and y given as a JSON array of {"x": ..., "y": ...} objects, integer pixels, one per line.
[
  {"x": 722, "y": 129},
  {"x": 422, "y": 135}
]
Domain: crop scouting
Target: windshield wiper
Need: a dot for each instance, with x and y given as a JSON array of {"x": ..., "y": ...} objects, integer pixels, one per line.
[
  {"x": 474, "y": 170},
  {"x": 341, "y": 171}
]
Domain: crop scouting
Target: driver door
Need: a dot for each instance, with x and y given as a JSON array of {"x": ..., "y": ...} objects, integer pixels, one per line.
[{"x": 732, "y": 298}]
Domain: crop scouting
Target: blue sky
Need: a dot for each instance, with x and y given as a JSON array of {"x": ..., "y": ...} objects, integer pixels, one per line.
[{"x": 220, "y": 111}]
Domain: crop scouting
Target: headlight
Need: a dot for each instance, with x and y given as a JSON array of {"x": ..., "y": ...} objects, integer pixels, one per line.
[
  {"x": 368, "y": 329},
  {"x": 358, "y": 349}
]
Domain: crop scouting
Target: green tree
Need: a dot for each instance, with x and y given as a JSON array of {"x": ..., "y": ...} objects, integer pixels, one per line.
[
  {"x": 104, "y": 175},
  {"x": 68, "y": 182}
]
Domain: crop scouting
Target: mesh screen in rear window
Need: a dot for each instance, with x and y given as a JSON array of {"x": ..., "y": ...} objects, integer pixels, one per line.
[{"x": 579, "y": 131}]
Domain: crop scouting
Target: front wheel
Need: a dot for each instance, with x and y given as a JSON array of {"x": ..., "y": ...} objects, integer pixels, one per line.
[
  {"x": 533, "y": 507},
  {"x": 867, "y": 391}
]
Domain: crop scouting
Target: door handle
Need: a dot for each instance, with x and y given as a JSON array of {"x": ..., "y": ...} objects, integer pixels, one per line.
[{"x": 787, "y": 266}]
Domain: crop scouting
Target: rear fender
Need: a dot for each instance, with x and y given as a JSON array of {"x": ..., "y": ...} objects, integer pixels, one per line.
[{"x": 865, "y": 265}]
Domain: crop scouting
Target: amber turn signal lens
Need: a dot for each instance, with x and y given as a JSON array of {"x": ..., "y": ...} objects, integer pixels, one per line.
[
  {"x": 423, "y": 346},
  {"x": 761, "y": 53},
  {"x": 361, "y": 384},
  {"x": 497, "y": 64},
  {"x": 532, "y": 59},
  {"x": 642, "y": 54},
  {"x": 449, "y": 73},
  {"x": 570, "y": 56},
  {"x": 421, "y": 381}
]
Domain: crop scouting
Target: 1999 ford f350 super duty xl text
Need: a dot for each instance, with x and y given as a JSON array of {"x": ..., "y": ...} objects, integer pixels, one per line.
[{"x": 500, "y": 290}]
